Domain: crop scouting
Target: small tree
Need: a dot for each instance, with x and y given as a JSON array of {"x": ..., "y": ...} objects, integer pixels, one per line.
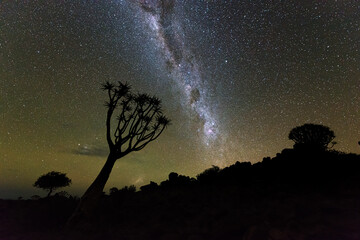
[
  {"x": 312, "y": 136},
  {"x": 139, "y": 121},
  {"x": 52, "y": 181}
]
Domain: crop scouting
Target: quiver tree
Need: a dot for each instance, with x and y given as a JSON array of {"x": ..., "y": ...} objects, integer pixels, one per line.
[
  {"x": 312, "y": 136},
  {"x": 52, "y": 181},
  {"x": 132, "y": 122}
]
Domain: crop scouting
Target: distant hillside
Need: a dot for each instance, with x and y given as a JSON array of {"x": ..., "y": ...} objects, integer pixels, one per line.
[
  {"x": 288, "y": 167},
  {"x": 299, "y": 194}
]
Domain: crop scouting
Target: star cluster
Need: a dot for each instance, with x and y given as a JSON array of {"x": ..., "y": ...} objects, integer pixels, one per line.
[{"x": 234, "y": 76}]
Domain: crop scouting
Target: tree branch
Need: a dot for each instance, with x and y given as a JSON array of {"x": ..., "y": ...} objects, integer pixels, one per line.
[{"x": 136, "y": 125}]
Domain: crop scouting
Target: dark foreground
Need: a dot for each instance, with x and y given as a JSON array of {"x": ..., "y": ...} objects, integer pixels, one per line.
[{"x": 295, "y": 195}]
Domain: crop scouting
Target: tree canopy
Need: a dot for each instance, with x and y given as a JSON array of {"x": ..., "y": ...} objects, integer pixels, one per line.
[
  {"x": 52, "y": 181},
  {"x": 312, "y": 136},
  {"x": 139, "y": 119}
]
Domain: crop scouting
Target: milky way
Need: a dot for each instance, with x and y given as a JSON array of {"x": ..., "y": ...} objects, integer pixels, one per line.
[
  {"x": 235, "y": 76},
  {"x": 182, "y": 64}
]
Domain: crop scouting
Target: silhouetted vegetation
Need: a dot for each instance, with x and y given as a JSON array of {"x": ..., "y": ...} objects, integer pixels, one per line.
[
  {"x": 125, "y": 190},
  {"x": 52, "y": 181},
  {"x": 175, "y": 181},
  {"x": 139, "y": 121},
  {"x": 209, "y": 175},
  {"x": 311, "y": 136},
  {"x": 298, "y": 194}
]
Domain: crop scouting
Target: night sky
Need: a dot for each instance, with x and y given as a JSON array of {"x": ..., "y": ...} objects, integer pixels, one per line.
[{"x": 234, "y": 77}]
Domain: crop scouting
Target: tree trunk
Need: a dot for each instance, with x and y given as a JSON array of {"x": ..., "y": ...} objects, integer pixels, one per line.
[
  {"x": 89, "y": 201},
  {"x": 49, "y": 192}
]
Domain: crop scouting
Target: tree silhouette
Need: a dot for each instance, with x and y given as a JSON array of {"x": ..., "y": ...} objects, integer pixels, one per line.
[
  {"x": 209, "y": 175},
  {"x": 139, "y": 121},
  {"x": 52, "y": 181},
  {"x": 311, "y": 136}
]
